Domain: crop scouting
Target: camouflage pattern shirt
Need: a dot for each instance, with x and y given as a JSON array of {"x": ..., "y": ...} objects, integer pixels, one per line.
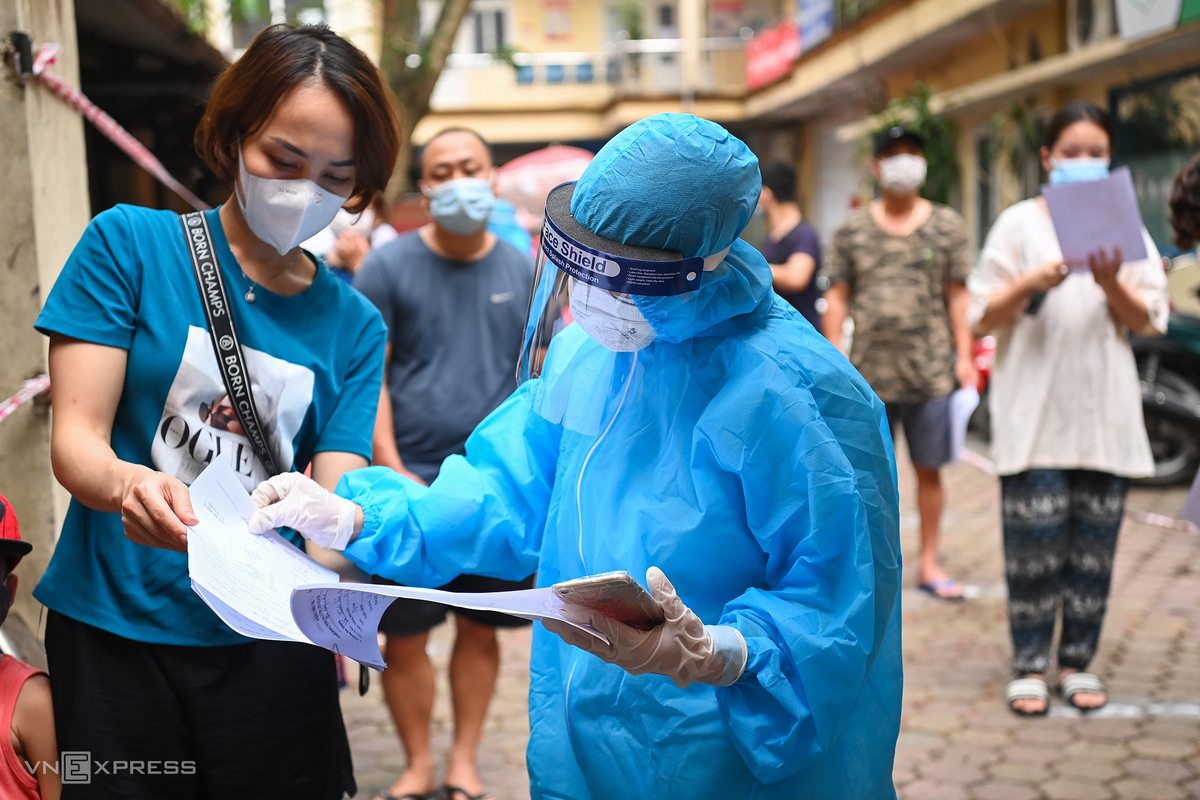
[{"x": 903, "y": 344}]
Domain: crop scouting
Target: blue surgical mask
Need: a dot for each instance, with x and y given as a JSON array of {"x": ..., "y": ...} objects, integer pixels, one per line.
[
  {"x": 1078, "y": 170},
  {"x": 462, "y": 205}
]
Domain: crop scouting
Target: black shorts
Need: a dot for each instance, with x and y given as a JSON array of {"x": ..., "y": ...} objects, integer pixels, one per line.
[
  {"x": 926, "y": 426},
  {"x": 406, "y": 617},
  {"x": 257, "y": 720}
]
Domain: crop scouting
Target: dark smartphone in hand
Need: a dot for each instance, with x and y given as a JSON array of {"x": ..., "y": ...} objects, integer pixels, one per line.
[{"x": 1035, "y": 302}]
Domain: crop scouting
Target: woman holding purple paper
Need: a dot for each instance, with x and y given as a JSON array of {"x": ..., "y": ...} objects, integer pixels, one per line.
[{"x": 1066, "y": 413}]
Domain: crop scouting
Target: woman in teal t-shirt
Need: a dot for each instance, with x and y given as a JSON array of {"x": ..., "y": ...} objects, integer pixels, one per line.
[{"x": 144, "y": 673}]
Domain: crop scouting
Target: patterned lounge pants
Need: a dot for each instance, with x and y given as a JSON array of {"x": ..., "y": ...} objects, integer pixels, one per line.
[{"x": 1060, "y": 533}]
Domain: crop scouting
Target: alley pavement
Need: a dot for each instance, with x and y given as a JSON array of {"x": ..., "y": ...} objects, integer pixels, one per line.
[{"x": 958, "y": 741}]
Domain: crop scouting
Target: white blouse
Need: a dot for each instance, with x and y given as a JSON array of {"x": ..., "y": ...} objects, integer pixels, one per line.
[{"x": 1064, "y": 391}]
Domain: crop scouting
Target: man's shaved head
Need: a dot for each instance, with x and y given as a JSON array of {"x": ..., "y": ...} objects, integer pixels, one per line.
[{"x": 455, "y": 153}]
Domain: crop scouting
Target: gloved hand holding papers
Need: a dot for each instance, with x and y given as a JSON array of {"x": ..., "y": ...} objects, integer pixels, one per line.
[{"x": 265, "y": 588}]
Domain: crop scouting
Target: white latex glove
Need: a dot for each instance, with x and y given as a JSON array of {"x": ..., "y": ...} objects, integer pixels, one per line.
[
  {"x": 293, "y": 501},
  {"x": 683, "y": 648}
]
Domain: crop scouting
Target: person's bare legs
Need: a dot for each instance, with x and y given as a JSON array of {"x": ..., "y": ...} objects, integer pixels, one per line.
[
  {"x": 931, "y": 498},
  {"x": 408, "y": 686},
  {"x": 474, "y": 665}
]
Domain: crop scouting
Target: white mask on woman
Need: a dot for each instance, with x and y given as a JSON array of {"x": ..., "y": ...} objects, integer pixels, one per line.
[{"x": 284, "y": 213}]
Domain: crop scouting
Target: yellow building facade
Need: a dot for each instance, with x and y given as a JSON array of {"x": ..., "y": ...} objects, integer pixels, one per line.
[
  {"x": 525, "y": 73},
  {"x": 578, "y": 76}
]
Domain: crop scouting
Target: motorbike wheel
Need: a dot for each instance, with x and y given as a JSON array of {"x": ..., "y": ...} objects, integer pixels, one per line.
[{"x": 1174, "y": 444}]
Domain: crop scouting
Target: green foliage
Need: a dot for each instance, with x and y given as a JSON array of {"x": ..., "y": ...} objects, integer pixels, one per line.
[
  {"x": 1162, "y": 118},
  {"x": 850, "y": 11},
  {"x": 941, "y": 139},
  {"x": 195, "y": 12},
  {"x": 1016, "y": 135},
  {"x": 245, "y": 10},
  {"x": 505, "y": 54},
  {"x": 629, "y": 15}
]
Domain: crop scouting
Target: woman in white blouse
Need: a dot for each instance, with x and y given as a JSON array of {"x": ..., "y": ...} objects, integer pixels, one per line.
[{"x": 1066, "y": 414}]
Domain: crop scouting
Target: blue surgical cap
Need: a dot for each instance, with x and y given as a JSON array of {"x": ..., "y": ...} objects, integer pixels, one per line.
[{"x": 671, "y": 181}]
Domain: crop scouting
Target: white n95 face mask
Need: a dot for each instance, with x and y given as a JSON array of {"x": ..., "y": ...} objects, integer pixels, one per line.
[
  {"x": 903, "y": 173},
  {"x": 283, "y": 213},
  {"x": 611, "y": 319}
]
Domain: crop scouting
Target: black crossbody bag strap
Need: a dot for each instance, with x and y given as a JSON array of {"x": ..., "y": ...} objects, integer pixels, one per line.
[{"x": 226, "y": 345}]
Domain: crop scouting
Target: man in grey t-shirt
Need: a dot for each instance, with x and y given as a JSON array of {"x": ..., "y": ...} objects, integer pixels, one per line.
[{"x": 453, "y": 297}]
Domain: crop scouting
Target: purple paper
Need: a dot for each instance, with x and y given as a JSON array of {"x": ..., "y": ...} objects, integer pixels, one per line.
[
  {"x": 1094, "y": 215},
  {"x": 1191, "y": 508}
]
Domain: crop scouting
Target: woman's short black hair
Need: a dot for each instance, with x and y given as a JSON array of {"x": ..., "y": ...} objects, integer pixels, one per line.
[
  {"x": 1077, "y": 111},
  {"x": 780, "y": 178},
  {"x": 1185, "y": 205}
]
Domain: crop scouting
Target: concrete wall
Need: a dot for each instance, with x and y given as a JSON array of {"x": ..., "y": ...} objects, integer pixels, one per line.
[{"x": 43, "y": 170}]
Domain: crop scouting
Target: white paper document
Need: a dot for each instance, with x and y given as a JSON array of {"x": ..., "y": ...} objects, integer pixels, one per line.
[
  {"x": 266, "y": 588},
  {"x": 962, "y": 404}
]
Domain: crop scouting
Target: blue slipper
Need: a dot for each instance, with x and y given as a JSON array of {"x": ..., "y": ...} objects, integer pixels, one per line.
[{"x": 936, "y": 588}]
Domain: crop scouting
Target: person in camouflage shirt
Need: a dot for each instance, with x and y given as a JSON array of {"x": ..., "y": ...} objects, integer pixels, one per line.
[{"x": 899, "y": 267}]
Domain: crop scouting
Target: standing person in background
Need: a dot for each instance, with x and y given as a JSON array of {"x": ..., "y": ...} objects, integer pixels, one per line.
[
  {"x": 347, "y": 240},
  {"x": 1066, "y": 410},
  {"x": 26, "y": 707},
  {"x": 143, "y": 670},
  {"x": 792, "y": 247},
  {"x": 899, "y": 266},
  {"x": 503, "y": 223},
  {"x": 1185, "y": 206},
  {"x": 454, "y": 298}
]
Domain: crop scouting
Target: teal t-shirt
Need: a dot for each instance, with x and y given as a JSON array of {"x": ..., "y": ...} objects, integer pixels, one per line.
[{"x": 316, "y": 365}]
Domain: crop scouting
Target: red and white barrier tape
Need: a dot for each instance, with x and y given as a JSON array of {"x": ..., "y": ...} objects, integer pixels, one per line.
[
  {"x": 1160, "y": 521},
  {"x": 30, "y": 390},
  {"x": 983, "y": 463},
  {"x": 108, "y": 126}
]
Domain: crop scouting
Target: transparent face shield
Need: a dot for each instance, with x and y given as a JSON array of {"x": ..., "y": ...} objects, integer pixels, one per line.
[{"x": 584, "y": 278}]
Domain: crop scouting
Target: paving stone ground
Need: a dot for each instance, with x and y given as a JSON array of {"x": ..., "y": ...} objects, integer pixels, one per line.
[{"x": 957, "y": 739}]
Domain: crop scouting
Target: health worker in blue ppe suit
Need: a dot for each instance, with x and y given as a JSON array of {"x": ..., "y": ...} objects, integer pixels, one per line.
[{"x": 678, "y": 420}]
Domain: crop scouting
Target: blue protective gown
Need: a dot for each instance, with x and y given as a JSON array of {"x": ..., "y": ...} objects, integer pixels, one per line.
[{"x": 744, "y": 456}]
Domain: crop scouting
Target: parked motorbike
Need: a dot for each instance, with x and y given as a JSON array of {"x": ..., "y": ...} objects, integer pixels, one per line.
[{"x": 1169, "y": 369}]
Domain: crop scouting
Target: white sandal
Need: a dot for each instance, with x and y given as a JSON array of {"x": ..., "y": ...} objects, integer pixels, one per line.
[
  {"x": 1028, "y": 689},
  {"x": 1078, "y": 682}
]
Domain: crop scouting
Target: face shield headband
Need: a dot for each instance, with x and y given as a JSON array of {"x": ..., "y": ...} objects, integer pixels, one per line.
[{"x": 601, "y": 273}]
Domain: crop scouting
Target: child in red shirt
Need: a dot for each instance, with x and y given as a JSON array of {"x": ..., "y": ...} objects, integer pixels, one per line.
[{"x": 29, "y": 756}]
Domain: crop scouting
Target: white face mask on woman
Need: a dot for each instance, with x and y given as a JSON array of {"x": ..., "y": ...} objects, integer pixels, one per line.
[
  {"x": 903, "y": 173},
  {"x": 611, "y": 319},
  {"x": 283, "y": 213}
]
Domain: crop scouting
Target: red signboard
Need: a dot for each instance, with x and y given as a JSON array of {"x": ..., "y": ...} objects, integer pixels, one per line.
[{"x": 769, "y": 55}]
